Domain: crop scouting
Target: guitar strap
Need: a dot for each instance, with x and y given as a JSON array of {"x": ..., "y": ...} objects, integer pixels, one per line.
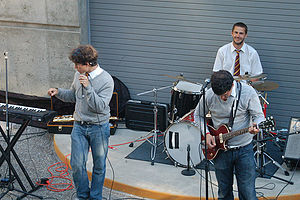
[{"x": 235, "y": 106}]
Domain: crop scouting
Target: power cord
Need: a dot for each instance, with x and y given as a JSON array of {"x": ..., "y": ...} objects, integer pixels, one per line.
[{"x": 52, "y": 183}]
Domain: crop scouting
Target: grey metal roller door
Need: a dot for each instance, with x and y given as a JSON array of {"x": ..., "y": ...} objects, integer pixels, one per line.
[{"x": 139, "y": 40}]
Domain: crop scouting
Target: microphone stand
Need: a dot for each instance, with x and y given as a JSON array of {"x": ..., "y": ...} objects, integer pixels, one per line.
[
  {"x": 7, "y": 153},
  {"x": 188, "y": 171},
  {"x": 207, "y": 81},
  {"x": 8, "y": 158}
]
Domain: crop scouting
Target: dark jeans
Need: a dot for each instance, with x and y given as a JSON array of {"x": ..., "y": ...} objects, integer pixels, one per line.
[{"x": 241, "y": 162}]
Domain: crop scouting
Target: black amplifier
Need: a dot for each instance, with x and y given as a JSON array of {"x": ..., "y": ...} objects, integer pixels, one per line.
[{"x": 139, "y": 115}]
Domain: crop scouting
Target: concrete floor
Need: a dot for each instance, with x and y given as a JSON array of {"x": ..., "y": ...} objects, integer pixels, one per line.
[
  {"x": 161, "y": 181},
  {"x": 36, "y": 152}
]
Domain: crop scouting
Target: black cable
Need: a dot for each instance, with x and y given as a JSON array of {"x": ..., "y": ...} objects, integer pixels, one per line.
[
  {"x": 265, "y": 188},
  {"x": 212, "y": 189},
  {"x": 34, "y": 166},
  {"x": 74, "y": 193},
  {"x": 37, "y": 134},
  {"x": 261, "y": 194},
  {"x": 31, "y": 159},
  {"x": 106, "y": 152},
  {"x": 128, "y": 198},
  {"x": 113, "y": 175},
  {"x": 51, "y": 198},
  {"x": 201, "y": 176},
  {"x": 200, "y": 155},
  {"x": 289, "y": 180}
]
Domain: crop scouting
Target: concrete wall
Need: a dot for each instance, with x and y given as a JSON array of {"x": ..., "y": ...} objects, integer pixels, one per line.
[{"x": 38, "y": 36}]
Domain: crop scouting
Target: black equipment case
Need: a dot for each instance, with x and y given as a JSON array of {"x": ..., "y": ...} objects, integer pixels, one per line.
[
  {"x": 139, "y": 115},
  {"x": 63, "y": 123}
]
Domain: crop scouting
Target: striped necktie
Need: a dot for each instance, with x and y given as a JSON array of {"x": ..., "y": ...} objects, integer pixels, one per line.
[{"x": 237, "y": 64}]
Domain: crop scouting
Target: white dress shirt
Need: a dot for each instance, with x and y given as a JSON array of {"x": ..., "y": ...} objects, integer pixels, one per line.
[
  {"x": 249, "y": 60},
  {"x": 95, "y": 72}
]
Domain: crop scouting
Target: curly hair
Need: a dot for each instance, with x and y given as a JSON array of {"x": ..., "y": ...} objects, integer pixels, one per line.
[
  {"x": 84, "y": 54},
  {"x": 221, "y": 82}
]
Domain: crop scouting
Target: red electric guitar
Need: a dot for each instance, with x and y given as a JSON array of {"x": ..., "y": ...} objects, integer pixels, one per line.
[{"x": 222, "y": 135}]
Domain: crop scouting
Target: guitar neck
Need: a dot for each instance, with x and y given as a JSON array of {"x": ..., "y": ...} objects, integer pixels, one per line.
[{"x": 235, "y": 133}]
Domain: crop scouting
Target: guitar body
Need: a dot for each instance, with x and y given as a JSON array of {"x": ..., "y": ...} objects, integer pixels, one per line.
[
  {"x": 220, "y": 145},
  {"x": 222, "y": 135}
]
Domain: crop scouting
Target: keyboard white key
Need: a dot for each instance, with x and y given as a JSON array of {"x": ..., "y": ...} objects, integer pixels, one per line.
[{"x": 24, "y": 108}]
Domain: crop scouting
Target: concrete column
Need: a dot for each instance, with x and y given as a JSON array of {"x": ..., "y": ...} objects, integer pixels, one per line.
[{"x": 38, "y": 36}]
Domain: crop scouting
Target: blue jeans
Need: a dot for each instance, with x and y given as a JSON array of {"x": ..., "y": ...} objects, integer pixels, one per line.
[
  {"x": 82, "y": 138},
  {"x": 241, "y": 162}
]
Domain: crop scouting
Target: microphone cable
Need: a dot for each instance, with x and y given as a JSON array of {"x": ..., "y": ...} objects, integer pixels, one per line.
[{"x": 106, "y": 152}]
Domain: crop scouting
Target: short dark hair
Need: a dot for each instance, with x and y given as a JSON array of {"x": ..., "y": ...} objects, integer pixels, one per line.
[
  {"x": 221, "y": 82},
  {"x": 84, "y": 54},
  {"x": 240, "y": 24}
]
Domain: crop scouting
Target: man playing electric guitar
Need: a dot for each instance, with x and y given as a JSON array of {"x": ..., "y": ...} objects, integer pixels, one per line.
[{"x": 238, "y": 106}]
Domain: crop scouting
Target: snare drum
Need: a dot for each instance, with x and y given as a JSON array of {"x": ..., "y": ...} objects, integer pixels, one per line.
[
  {"x": 185, "y": 97},
  {"x": 178, "y": 137}
]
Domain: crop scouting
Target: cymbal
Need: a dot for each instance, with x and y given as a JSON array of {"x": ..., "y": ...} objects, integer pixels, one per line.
[
  {"x": 247, "y": 77},
  {"x": 265, "y": 85},
  {"x": 180, "y": 77},
  {"x": 174, "y": 77}
]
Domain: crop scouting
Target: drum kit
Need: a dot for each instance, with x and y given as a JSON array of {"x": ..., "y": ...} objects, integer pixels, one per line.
[{"x": 183, "y": 133}]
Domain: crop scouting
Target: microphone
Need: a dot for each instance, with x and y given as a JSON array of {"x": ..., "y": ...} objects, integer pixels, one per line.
[
  {"x": 207, "y": 81},
  {"x": 82, "y": 91},
  {"x": 188, "y": 148},
  {"x": 87, "y": 75}
]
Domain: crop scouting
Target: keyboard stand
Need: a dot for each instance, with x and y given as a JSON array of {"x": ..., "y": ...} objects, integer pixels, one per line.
[{"x": 9, "y": 149}]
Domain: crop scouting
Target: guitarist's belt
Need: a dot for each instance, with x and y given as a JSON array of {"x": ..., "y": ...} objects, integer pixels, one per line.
[{"x": 236, "y": 148}]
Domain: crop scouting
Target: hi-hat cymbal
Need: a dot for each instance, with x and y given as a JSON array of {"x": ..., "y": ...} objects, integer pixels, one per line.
[
  {"x": 265, "y": 85},
  {"x": 247, "y": 77}
]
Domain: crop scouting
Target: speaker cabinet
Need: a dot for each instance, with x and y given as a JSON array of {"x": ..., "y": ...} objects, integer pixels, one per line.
[{"x": 292, "y": 150}]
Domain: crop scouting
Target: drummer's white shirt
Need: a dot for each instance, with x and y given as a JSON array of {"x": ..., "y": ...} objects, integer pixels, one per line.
[{"x": 249, "y": 60}]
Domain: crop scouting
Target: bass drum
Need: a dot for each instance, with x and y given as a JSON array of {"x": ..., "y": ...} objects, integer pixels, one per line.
[{"x": 178, "y": 137}]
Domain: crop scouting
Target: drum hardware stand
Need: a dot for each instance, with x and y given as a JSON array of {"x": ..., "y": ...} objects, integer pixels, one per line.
[
  {"x": 173, "y": 108},
  {"x": 264, "y": 100},
  {"x": 265, "y": 103},
  {"x": 261, "y": 156},
  {"x": 9, "y": 149},
  {"x": 155, "y": 131},
  {"x": 188, "y": 171}
]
